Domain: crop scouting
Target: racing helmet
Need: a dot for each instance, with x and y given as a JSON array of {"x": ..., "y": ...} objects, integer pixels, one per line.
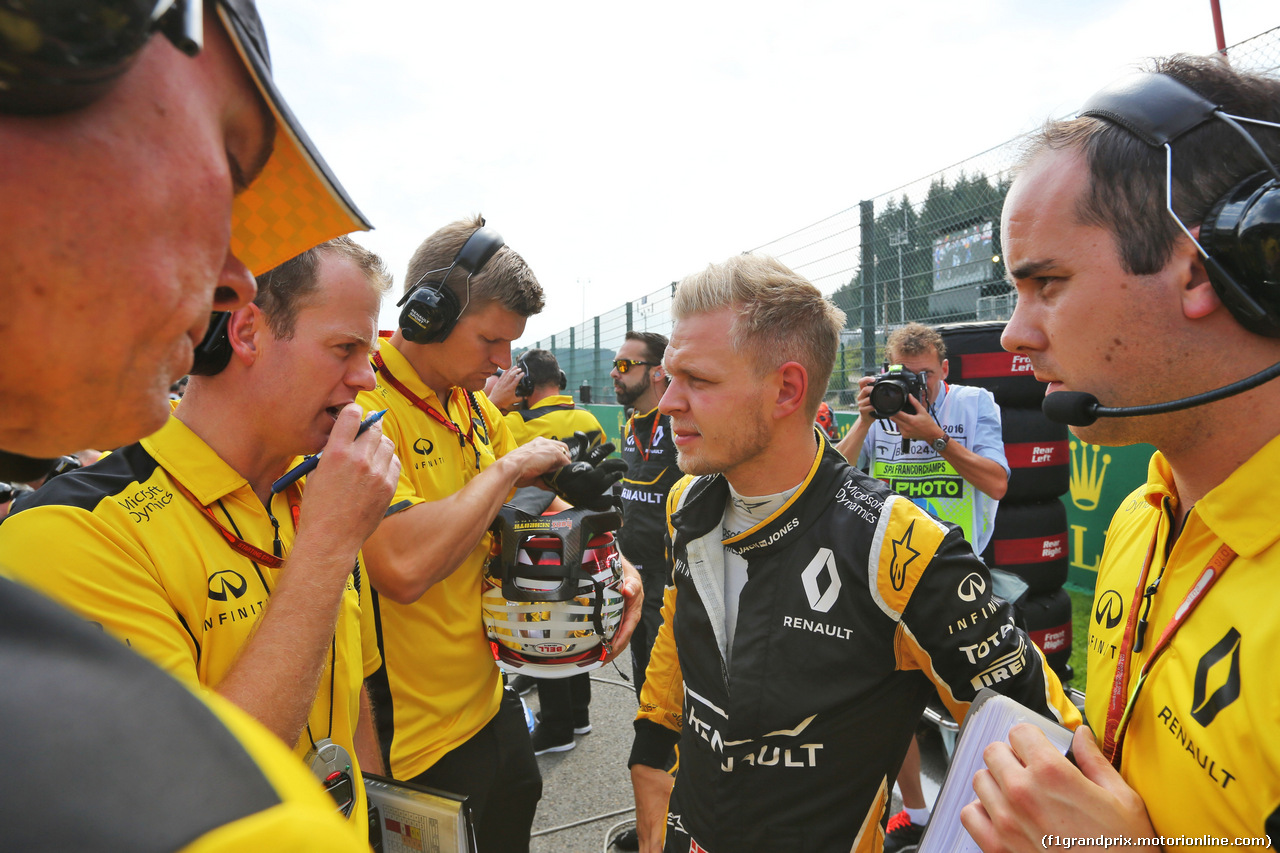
[
  {"x": 552, "y": 591},
  {"x": 826, "y": 420}
]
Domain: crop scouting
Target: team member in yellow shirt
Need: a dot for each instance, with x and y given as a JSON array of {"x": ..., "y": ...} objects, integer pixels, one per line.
[
  {"x": 140, "y": 190},
  {"x": 1125, "y": 302},
  {"x": 178, "y": 546},
  {"x": 439, "y": 700},
  {"x": 542, "y": 408}
]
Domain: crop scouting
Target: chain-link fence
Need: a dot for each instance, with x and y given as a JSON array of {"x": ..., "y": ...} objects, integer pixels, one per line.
[
  {"x": 586, "y": 351},
  {"x": 928, "y": 251}
]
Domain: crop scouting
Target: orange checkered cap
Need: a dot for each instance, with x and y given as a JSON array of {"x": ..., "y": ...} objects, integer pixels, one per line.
[{"x": 296, "y": 202}]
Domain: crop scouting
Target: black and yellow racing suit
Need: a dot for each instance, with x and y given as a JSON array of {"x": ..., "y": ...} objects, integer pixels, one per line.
[{"x": 857, "y": 606}]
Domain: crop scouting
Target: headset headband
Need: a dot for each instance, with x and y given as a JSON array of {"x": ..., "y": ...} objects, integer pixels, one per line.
[
  {"x": 1158, "y": 110},
  {"x": 429, "y": 317},
  {"x": 1153, "y": 107},
  {"x": 480, "y": 247}
]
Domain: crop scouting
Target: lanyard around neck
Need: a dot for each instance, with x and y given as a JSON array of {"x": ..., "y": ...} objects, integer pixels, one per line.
[
  {"x": 653, "y": 431},
  {"x": 444, "y": 420},
  {"x": 1121, "y": 702},
  {"x": 239, "y": 545},
  {"x": 273, "y": 561}
]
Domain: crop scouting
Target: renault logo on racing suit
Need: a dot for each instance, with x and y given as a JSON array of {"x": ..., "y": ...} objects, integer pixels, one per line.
[
  {"x": 819, "y": 600},
  {"x": 971, "y": 587}
]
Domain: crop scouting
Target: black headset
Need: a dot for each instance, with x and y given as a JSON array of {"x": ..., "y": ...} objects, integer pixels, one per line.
[
  {"x": 524, "y": 388},
  {"x": 213, "y": 353},
  {"x": 60, "y": 55},
  {"x": 1240, "y": 236},
  {"x": 429, "y": 309}
]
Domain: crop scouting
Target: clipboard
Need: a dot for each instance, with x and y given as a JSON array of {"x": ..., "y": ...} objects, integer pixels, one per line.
[{"x": 409, "y": 818}]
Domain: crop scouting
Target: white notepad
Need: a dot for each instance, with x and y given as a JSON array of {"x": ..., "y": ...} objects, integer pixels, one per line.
[{"x": 989, "y": 719}]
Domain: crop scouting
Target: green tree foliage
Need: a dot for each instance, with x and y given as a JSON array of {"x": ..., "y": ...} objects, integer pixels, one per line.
[{"x": 902, "y": 249}]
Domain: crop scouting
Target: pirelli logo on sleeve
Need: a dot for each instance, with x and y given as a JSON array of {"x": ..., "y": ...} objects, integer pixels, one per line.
[{"x": 904, "y": 543}]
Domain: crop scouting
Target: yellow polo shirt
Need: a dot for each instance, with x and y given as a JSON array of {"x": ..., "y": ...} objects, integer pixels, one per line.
[
  {"x": 439, "y": 669},
  {"x": 554, "y": 417},
  {"x": 1200, "y": 749},
  {"x": 119, "y": 544}
]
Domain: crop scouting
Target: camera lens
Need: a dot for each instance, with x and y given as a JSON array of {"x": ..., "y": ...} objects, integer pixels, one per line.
[{"x": 888, "y": 397}]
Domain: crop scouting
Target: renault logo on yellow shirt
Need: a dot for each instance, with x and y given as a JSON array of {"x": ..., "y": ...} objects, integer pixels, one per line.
[{"x": 1217, "y": 678}]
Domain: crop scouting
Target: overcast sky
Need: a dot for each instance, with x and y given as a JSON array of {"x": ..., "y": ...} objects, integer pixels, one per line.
[{"x": 620, "y": 147}]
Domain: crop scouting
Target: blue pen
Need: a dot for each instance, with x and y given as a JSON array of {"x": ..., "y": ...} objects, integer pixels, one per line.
[{"x": 306, "y": 465}]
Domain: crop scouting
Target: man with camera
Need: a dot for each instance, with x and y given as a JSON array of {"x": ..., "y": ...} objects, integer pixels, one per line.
[
  {"x": 443, "y": 715},
  {"x": 1141, "y": 239},
  {"x": 939, "y": 445},
  {"x": 198, "y": 562},
  {"x": 812, "y": 610},
  {"x": 138, "y": 147},
  {"x": 910, "y": 418}
]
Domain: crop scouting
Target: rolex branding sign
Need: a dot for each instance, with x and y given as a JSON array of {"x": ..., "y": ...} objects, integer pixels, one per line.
[{"x": 1101, "y": 477}]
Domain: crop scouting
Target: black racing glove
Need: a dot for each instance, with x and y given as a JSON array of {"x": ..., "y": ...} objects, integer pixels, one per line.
[
  {"x": 587, "y": 481},
  {"x": 581, "y": 443}
]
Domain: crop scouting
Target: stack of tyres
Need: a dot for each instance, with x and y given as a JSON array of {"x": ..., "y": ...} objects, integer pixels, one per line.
[{"x": 1030, "y": 537}]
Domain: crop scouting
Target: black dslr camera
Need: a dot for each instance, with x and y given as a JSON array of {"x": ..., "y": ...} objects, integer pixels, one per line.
[{"x": 893, "y": 388}]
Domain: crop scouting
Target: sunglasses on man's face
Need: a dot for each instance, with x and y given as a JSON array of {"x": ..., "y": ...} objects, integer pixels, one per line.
[{"x": 622, "y": 365}]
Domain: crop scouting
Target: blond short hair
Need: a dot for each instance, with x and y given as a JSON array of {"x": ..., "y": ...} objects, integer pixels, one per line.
[{"x": 779, "y": 316}]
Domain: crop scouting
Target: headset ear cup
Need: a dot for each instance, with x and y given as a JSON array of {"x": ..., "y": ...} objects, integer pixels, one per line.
[
  {"x": 564, "y": 380},
  {"x": 430, "y": 314},
  {"x": 1241, "y": 235},
  {"x": 431, "y": 310},
  {"x": 214, "y": 352},
  {"x": 524, "y": 388}
]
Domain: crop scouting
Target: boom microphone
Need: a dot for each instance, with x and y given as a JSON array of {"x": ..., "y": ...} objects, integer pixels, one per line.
[{"x": 1077, "y": 408}]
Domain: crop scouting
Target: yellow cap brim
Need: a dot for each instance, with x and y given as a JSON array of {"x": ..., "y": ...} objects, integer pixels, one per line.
[{"x": 296, "y": 202}]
